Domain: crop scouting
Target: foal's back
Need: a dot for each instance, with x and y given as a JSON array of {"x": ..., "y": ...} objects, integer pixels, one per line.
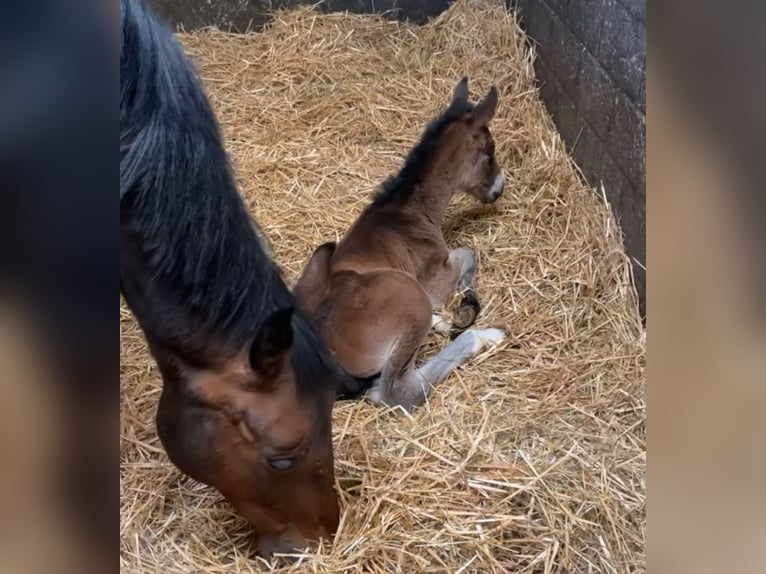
[{"x": 390, "y": 236}]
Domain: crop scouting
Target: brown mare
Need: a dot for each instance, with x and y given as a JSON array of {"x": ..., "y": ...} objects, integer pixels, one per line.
[
  {"x": 248, "y": 386},
  {"x": 372, "y": 295}
]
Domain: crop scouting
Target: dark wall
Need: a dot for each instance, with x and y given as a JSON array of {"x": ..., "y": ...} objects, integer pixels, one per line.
[
  {"x": 241, "y": 15},
  {"x": 592, "y": 66}
]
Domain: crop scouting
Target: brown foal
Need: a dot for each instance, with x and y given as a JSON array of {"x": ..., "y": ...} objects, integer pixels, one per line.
[{"x": 372, "y": 294}]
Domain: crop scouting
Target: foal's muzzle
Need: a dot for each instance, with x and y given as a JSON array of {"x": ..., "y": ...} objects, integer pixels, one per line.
[{"x": 497, "y": 188}]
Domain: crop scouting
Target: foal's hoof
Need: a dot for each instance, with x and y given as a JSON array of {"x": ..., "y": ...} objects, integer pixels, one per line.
[
  {"x": 465, "y": 314},
  {"x": 486, "y": 339}
]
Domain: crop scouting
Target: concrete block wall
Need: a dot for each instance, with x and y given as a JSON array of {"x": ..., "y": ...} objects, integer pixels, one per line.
[{"x": 592, "y": 67}]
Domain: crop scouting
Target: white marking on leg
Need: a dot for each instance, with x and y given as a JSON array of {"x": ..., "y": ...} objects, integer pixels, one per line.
[
  {"x": 487, "y": 339},
  {"x": 440, "y": 325},
  {"x": 464, "y": 347}
]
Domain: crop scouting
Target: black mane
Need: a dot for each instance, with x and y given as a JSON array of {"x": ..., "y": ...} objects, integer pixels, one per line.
[
  {"x": 192, "y": 267},
  {"x": 400, "y": 185}
]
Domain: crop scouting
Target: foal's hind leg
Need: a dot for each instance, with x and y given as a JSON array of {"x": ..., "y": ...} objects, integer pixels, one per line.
[{"x": 403, "y": 385}]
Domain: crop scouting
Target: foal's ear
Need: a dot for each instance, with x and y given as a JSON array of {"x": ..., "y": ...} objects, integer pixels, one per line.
[
  {"x": 314, "y": 282},
  {"x": 460, "y": 93},
  {"x": 272, "y": 343},
  {"x": 485, "y": 109}
]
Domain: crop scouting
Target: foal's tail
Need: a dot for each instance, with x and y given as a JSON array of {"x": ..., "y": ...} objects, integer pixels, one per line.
[{"x": 351, "y": 387}]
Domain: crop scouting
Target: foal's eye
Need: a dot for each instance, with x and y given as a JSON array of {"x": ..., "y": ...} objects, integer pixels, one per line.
[{"x": 282, "y": 463}]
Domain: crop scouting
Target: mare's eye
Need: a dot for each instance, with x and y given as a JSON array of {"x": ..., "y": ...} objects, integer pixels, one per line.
[{"x": 285, "y": 463}]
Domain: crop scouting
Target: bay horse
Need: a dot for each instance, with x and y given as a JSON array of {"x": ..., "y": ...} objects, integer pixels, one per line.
[
  {"x": 248, "y": 386},
  {"x": 371, "y": 295}
]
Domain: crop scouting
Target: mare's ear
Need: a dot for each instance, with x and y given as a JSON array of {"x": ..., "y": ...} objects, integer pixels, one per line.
[
  {"x": 485, "y": 109},
  {"x": 460, "y": 93},
  {"x": 272, "y": 343}
]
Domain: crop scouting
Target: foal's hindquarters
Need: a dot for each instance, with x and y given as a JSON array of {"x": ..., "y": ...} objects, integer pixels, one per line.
[
  {"x": 373, "y": 294},
  {"x": 375, "y": 321}
]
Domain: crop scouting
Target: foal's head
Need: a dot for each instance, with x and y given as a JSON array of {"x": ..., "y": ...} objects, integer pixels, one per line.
[
  {"x": 470, "y": 146},
  {"x": 257, "y": 427}
]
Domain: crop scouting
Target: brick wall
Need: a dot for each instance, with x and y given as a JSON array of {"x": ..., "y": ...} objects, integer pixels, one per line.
[{"x": 592, "y": 67}]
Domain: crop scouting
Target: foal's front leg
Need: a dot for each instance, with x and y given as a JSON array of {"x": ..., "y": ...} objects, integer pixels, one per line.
[{"x": 460, "y": 277}]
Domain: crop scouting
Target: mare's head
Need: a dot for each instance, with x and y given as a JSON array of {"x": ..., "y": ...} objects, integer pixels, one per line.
[
  {"x": 257, "y": 427},
  {"x": 470, "y": 145},
  {"x": 248, "y": 388}
]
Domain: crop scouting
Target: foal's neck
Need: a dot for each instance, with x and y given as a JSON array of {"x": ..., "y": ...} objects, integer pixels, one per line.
[{"x": 432, "y": 195}]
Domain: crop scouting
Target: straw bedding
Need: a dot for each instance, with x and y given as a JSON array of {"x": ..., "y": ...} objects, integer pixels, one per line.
[{"x": 529, "y": 459}]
